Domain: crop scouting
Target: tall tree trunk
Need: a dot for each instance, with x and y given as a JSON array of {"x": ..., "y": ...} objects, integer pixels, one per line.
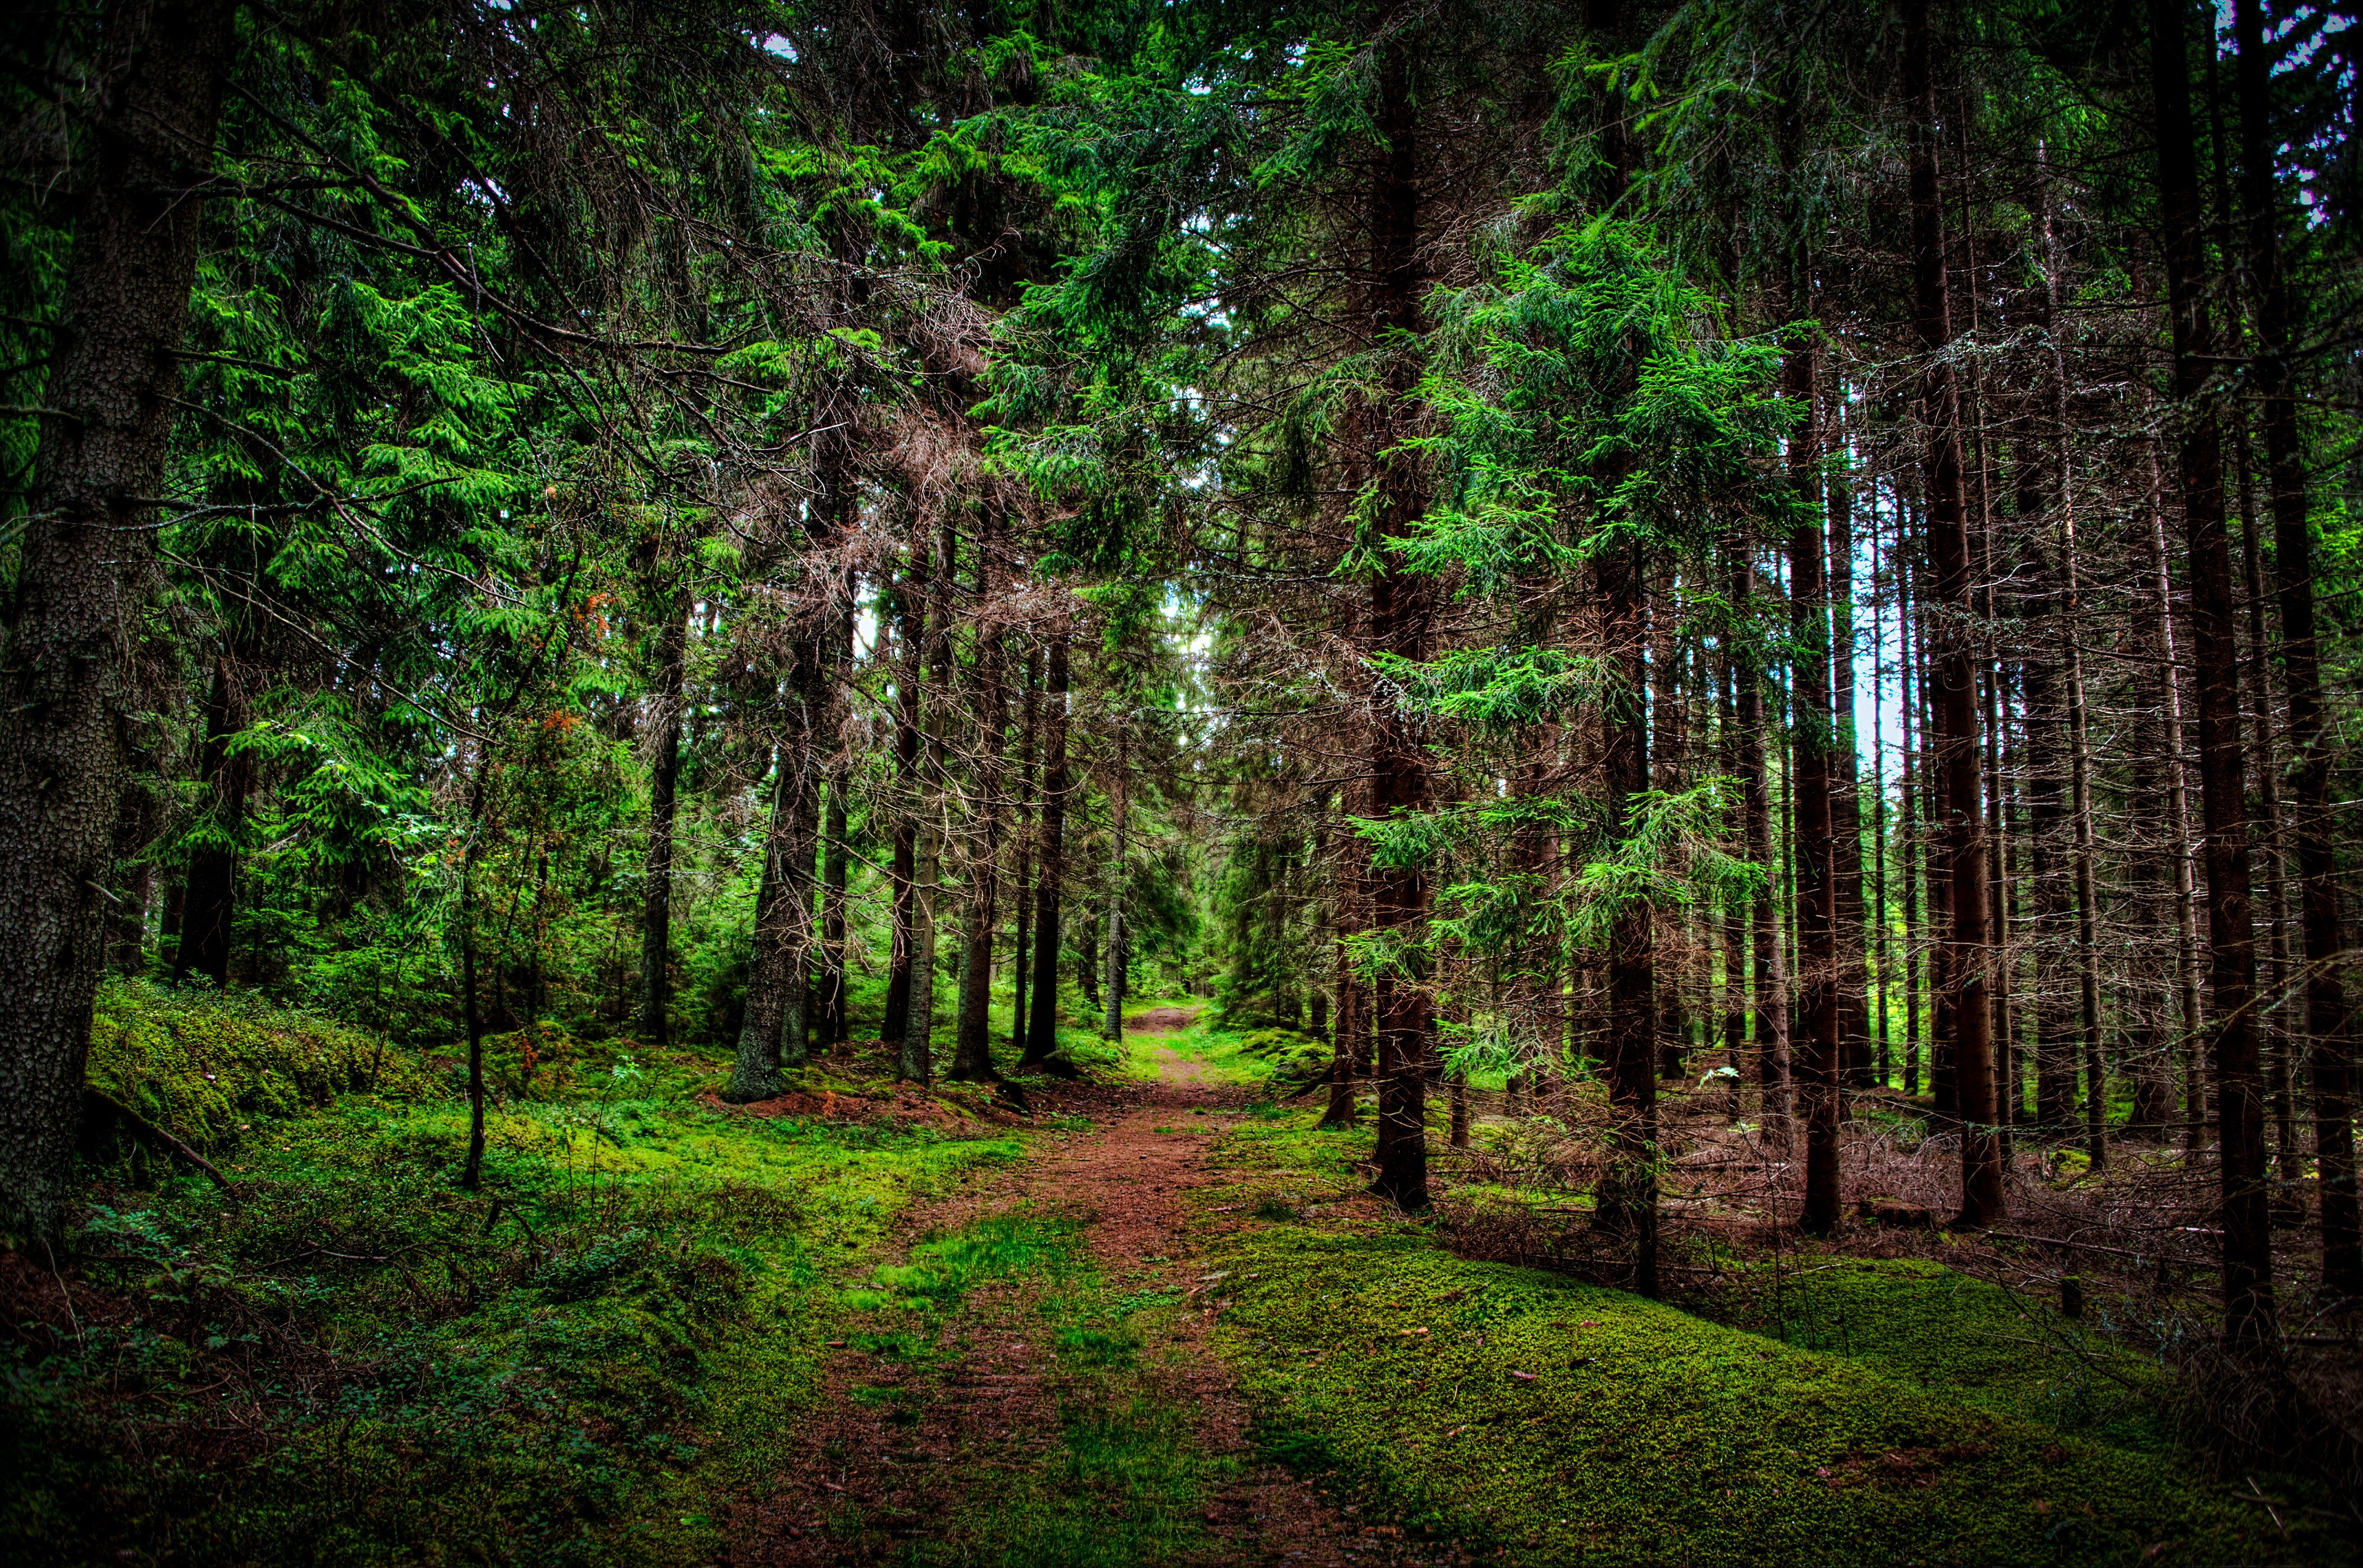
[
  {"x": 1021, "y": 955},
  {"x": 210, "y": 909},
  {"x": 1346, "y": 1045},
  {"x": 1845, "y": 799},
  {"x": 2312, "y": 821},
  {"x": 664, "y": 778},
  {"x": 1398, "y": 616},
  {"x": 910, "y": 677},
  {"x": 935, "y": 643},
  {"x": 2053, "y": 949},
  {"x": 830, "y": 1025},
  {"x": 1042, "y": 1028},
  {"x": 973, "y": 1054},
  {"x": 1756, "y": 809},
  {"x": 1734, "y": 911},
  {"x": 2231, "y": 937},
  {"x": 2178, "y": 793},
  {"x": 1909, "y": 769},
  {"x": 1669, "y": 1025},
  {"x": 755, "y": 1073},
  {"x": 1957, "y": 748},
  {"x": 1629, "y": 1192},
  {"x": 1879, "y": 922},
  {"x": 2080, "y": 775},
  {"x": 84, "y": 568},
  {"x": 1119, "y": 869},
  {"x": 1820, "y": 1038}
]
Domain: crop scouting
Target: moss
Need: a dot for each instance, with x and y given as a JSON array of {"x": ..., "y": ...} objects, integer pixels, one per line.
[
  {"x": 1562, "y": 1422},
  {"x": 205, "y": 1066},
  {"x": 356, "y": 1363},
  {"x": 1221, "y": 1056},
  {"x": 1124, "y": 1480},
  {"x": 1924, "y": 1324}
]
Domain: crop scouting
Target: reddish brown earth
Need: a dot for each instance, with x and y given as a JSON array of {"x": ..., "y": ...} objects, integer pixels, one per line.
[{"x": 865, "y": 1489}]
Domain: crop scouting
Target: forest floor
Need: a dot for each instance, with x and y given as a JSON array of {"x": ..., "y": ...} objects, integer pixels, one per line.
[
  {"x": 1071, "y": 1413},
  {"x": 1158, "y": 1321}
]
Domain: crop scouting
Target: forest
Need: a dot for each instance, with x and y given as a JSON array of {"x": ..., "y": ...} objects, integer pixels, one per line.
[{"x": 1080, "y": 782}]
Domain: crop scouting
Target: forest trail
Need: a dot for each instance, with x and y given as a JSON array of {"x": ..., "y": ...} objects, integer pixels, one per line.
[{"x": 1019, "y": 1436}]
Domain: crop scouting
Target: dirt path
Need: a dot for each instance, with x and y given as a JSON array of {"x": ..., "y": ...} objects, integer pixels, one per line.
[{"x": 902, "y": 1459}]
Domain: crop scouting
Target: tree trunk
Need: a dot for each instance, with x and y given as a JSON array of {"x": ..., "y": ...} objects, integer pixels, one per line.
[
  {"x": 83, "y": 569},
  {"x": 935, "y": 646},
  {"x": 1908, "y": 771},
  {"x": 664, "y": 777},
  {"x": 2080, "y": 777},
  {"x": 830, "y": 1025},
  {"x": 1845, "y": 801},
  {"x": 1021, "y": 955},
  {"x": 972, "y": 1054},
  {"x": 1819, "y": 1061},
  {"x": 1398, "y": 616},
  {"x": 209, "y": 911},
  {"x": 1119, "y": 796},
  {"x": 755, "y": 1073},
  {"x": 2312, "y": 821},
  {"x": 1042, "y": 1028},
  {"x": 1957, "y": 747},
  {"x": 911, "y": 620},
  {"x": 1629, "y": 1192},
  {"x": 1755, "y": 808},
  {"x": 2231, "y": 937}
]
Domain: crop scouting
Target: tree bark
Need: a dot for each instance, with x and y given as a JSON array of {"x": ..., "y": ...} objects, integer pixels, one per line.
[
  {"x": 210, "y": 909},
  {"x": 972, "y": 1052},
  {"x": 664, "y": 777},
  {"x": 83, "y": 570},
  {"x": 755, "y": 1073},
  {"x": 1021, "y": 954},
  {"x": 2231, "y": 936},
  {"x": 830, "y": 1025},
  {"x": 1398, "y": 616},
  {"x": 1119, "y": 800},
  {"x": 1957, "y": 738},
  {"x": 1819, "y": 1062},
  {"x": 917, "y": 1065},
  {"x": 1755, "y": 808},
  {"x": 910, "y": 677},
  {"x": 2312, "y": 821},
  {"x": 1042, "y": 1028}
]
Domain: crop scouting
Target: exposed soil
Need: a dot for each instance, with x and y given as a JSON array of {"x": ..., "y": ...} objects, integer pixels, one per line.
[
  {"x": 878, "y": 1478},
  {"x": 1162, "y": 1020}
]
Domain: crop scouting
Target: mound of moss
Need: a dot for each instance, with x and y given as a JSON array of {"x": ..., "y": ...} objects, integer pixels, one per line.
[
  {"x": 1924, "y": 1324},
  {"x": 1559, "y": 1422},
  {"x": 201, "y": 1063}
]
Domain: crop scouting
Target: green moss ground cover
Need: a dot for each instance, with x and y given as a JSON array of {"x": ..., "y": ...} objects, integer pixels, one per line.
[
  {"x": 1225, "y": 1057},
  {"x": 1929, "y": 1326},
  {"x": 1121, "y": 1480},
  {"x": 1564, "y": 1423},
  {"x": 354, "y": 1361}
]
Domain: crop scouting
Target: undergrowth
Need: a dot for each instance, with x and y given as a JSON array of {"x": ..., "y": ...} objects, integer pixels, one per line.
[
  {"x": 1514, "y": 1410},
  {"x": 348, "y": 1360}
]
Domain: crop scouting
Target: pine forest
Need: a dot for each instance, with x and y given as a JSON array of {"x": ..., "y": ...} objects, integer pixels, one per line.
[{"x": 1031, "y": 783}]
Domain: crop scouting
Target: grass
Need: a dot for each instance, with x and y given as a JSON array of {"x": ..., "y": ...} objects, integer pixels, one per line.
[
  {"x": 1558, "y": 1422},
  {"x": 358, "y": 1363},
  {"x": 1927, "y": 1326},
  {"x": 1230, "y": 1057},
  {"x": 1122, "y": 1481}
]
